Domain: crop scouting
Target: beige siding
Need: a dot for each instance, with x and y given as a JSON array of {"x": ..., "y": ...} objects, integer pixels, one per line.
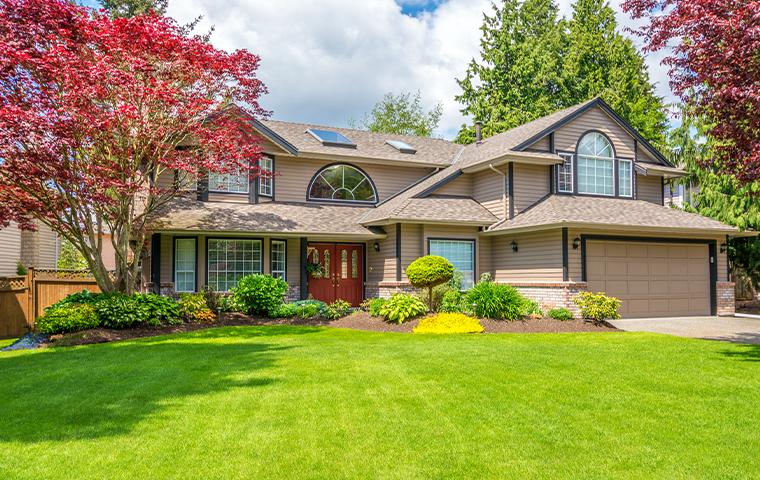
[
  {"x": 649, "y": 189},
  {"x": 411, "y": 246},
  {"x": 294, "y": 175},
  {"x": 381, "y": 266},
  {"x": 10, "y": 249},
  {"x": 531, "y": 184},
  {"x": 228, "y": 197},
  {"x": 566, "y": 138},
  {"x": 485, "y": 255},
  {"x": 167, "y": 253},
  {"x": 542, "y": 144},
  {"x": 538, "y": 257},
  {"x": 165, "y": 179},
  {"x": 460, "y": 186},
  {"x": 47, "y": 247},
  {"x": 644, "y": 156},
  {"x": 488, "y": 190},
  {"x": 293, "y": 274}
]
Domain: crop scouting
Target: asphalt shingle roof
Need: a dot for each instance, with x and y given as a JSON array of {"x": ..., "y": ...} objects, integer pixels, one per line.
[
  {"x": 443, "y": 209},
  {"x": 608, "y": 212}
]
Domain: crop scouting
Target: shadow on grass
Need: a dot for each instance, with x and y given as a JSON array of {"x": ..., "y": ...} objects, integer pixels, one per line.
[
  {"x": 745, "y": 351},
  {"x": 105, "y": 390}
]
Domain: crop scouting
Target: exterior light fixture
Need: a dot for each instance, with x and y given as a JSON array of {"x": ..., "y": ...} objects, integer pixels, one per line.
[
  {"x": 576, "y": 243},
  {"x": 723, "y": 248},
  {"x": 514, "y": 246},
  {"x": 376, "y": 246}
]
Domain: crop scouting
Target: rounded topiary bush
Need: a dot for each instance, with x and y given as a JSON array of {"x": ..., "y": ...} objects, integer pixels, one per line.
[
  {"x": 260, "y": 294},
  {"x": 428, "y": 272}
]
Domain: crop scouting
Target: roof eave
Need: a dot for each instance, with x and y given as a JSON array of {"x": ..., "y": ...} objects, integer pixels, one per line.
[
  {"x": 515, "y": 157},
  {"x": 369, "y": 235},
  {"x": 381, "y": 161},
  {"x": 607, "y": 226}
]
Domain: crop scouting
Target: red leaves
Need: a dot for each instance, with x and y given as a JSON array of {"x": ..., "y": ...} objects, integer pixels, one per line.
[
  {"x": 90, "y": 105},
  {"x": 715, "y": 68}
]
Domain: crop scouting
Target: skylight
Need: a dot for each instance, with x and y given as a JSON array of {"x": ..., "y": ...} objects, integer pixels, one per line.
[
  {"x": 402, "y": 147},
  {"x": 330, "y": 138}
]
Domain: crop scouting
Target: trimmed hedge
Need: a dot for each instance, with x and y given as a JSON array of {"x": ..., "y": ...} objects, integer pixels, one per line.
[{"x": 67, "y": 318}]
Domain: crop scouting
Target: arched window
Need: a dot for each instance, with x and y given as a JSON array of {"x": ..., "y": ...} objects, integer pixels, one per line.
[
  {"x": 596, "y": 164},
  {"x": 342, "y": 183}
]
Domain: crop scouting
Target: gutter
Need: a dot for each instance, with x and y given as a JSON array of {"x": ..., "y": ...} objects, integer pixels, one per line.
[{"x": 503, "y": 189}]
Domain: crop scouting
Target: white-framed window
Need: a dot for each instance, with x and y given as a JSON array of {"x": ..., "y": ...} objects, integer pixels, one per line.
[
  {"x": 342, "y": 183},
  {"x": 278, "y": 257},
  {"x": 461, "y": 254},
  {"x": 235, "y": 181},
  {"x": 596, "y": 162},
  {"x": 186, "y": 181},
  {"x": 184, "y": 264},
  {"x": 266, "y": 181},
  {"x": 565, "y": 174},
  {"x": 625, "y": 178},
  {"x": 229, "y": 260}
]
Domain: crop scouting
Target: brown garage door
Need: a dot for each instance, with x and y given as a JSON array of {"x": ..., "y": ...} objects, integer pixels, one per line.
[{"x": 651, "y": 279}]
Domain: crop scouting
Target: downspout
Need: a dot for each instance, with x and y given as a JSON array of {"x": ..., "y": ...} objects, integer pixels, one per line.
[{"x": 503, "y": 189}]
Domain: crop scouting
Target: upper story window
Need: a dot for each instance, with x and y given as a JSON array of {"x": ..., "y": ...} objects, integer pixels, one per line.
[
  {"x": 565, "y": 174},
  {"x": 625, "y": 178},
  {"x": 596, "y": 162},
  {"x": 342, "y": 183},
  {"x": 266, "y": 180},
  {"x": 235, "y": 181}
]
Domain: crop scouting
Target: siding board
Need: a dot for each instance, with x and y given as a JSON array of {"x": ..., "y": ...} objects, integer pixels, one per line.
[
  {"x": 488, "y": 190},
  {"x": 531, "y": 185},
  {"x": 538, "y": 258},
  {"x": 566, "y": 137},
  {"x": 649, "y": 189}
]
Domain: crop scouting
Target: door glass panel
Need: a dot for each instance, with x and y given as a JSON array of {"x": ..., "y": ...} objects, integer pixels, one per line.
[
  {"x": 326, "y": 256},
  {"x": 344, "y": 264},
  {"x": 355, "y": 264}
]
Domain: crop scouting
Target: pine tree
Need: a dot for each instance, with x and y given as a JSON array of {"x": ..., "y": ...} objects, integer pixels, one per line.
[{"x": 130, "y": 8}]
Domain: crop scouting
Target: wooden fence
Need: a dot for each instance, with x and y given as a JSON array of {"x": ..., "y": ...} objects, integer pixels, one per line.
[{"x": 23, "y": 299}]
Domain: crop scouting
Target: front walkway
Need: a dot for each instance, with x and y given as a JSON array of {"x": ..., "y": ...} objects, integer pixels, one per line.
[{"x": 729, "y": 329}]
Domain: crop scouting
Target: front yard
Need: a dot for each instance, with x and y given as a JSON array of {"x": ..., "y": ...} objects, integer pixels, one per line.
[{"x": 310, "y": 402}]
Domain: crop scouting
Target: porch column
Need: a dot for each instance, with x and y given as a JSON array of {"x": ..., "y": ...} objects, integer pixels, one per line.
[
  {"x": 155, "y": 262},
  {"x": 304, "y": 275}
]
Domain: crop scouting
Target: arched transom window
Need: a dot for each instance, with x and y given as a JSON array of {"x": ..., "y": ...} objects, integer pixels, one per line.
[
  {"x": 596, "y": 164},
  {"x": 342, "y": 183}
]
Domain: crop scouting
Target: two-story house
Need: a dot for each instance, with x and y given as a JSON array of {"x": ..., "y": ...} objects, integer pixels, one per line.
[{"x": 572, "y": 201}]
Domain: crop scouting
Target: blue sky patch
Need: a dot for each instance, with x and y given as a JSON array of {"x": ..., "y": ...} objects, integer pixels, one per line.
[{"x": 416, "y": 7}]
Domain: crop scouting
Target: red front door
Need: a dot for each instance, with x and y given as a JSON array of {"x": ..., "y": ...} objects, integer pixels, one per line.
[{"x": 341, "y": 272}]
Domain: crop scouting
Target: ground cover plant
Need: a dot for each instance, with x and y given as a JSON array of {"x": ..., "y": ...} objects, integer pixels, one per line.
[
  {"x": 402, "y": 307},
  {"x": 307, "y": 402},
  {"x": 448, "y": 323},
  {"x": 499, "y": 301},
  {"x": 560, "y": 313}
]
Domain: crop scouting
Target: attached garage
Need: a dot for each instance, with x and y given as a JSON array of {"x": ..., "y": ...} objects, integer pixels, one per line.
[{"x": 653, "y": 278}]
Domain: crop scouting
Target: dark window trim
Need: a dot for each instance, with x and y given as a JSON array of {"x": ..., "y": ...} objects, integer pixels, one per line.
[
  {"x": 304, "y": 280},
  {"x": 261, "y": 239},
  {"x": 511, "y": 188},
  {"x": 474, "y": 251},
  {"x": 155, "y": 262},
  {"x": 328, "y": 200},
  {"x": 398, "y": 252},
  {"x": 565, "y": 256},
  {"x": 174, "y": 259},
  {"x": 258, "y": 179},
  {"x": 572, "y": 172},
  {"x": 712, "y": 256},
  {"x": 285, "y": 241}
]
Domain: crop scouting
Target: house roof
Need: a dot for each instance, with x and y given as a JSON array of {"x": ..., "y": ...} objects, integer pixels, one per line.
[
  {"x": 660, "y": 170},
  {"x": 279, "y": 217},
  {"x": 569, "y": 210},
  {"x": 460, "y": 210},
  {"x": 434, "y": 152}
]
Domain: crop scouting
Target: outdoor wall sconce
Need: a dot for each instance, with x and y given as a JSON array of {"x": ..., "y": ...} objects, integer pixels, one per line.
[
  {"x": 376, "y": 246},
  {"x": 514, "y": 246},
  {"x": 723, "y": 248},
  {"x": 576, "y": 243}
]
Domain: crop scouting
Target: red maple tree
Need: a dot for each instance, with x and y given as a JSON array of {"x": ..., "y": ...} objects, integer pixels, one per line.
[
  {"x": 715, "y": 69},
  {"x": 95, "y": 114}
]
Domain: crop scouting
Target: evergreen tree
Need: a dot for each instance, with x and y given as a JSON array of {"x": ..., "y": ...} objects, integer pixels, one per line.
[
  {"x": 401, "y": 114},
  {"x": 533, "y": 63},
  {"x": 130, "y": 8}
]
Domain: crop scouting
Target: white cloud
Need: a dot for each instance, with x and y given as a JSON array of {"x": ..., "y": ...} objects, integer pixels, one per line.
[{"x": 329, "y": 61}]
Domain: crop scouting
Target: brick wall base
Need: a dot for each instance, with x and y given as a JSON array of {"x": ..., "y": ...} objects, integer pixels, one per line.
[
  {"x": 387, "y": 289},
  {"x": 552, "y": 295},
  {"x": 726, "y": 298}
]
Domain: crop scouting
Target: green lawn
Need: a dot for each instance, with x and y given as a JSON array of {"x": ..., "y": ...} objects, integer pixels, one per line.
[
  {"x": 300, "y": 402},
  {"x": 4, "y": 342}
]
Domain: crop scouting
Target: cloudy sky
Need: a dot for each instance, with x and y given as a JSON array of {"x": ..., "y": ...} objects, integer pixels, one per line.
[{"x": 329, "y": 61}]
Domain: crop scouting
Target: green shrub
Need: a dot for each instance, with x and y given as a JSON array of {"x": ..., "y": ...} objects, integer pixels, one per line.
[
  {"x": 193, "y": 308},
  {"x": 560, "y": 313},
  {"x": 401, "y": 307},
  {"x": 213, "y": 298},
  {"x": 227, "y": 303},
  {"x": 449, "y": 323},
  {"x": 499, "y": 301},
  {"x": 452, "y": 302},
  {"x": 373, "y": 306},
  {"x": 162, "y": 310},
  {"x": 116, "y": 310},
  {"x": 310, "y": 308},
  {"x": 85, "y": 296},
  {"x": 259, "y": 294},
  {"x": 428, "y": 272},
  {"x": 21, "y": 269},
  {"x": 67, "y": 318},
  {"x": 597, "y": 306},
  {"x": 286, "y": 310},
  {"x": 337, "y": 309}
]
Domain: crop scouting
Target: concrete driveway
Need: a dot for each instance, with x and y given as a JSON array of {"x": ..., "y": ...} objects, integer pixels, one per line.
[{"x": 728, "y": 329}]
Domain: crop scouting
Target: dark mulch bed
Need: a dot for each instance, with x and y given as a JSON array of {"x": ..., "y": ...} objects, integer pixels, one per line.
[
  {"x": 751, "y": 306},
  {"x": 357, "y": 321}
]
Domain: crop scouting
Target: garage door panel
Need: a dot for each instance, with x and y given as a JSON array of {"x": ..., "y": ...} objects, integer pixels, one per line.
[{"x": 651, "y": 279}]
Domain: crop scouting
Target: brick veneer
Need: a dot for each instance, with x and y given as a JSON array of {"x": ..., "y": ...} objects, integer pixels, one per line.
[
  {"x": 726, "y": 298},
  {"x": 550, "y": 295},
  {"x": 386, "y": 289}
]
